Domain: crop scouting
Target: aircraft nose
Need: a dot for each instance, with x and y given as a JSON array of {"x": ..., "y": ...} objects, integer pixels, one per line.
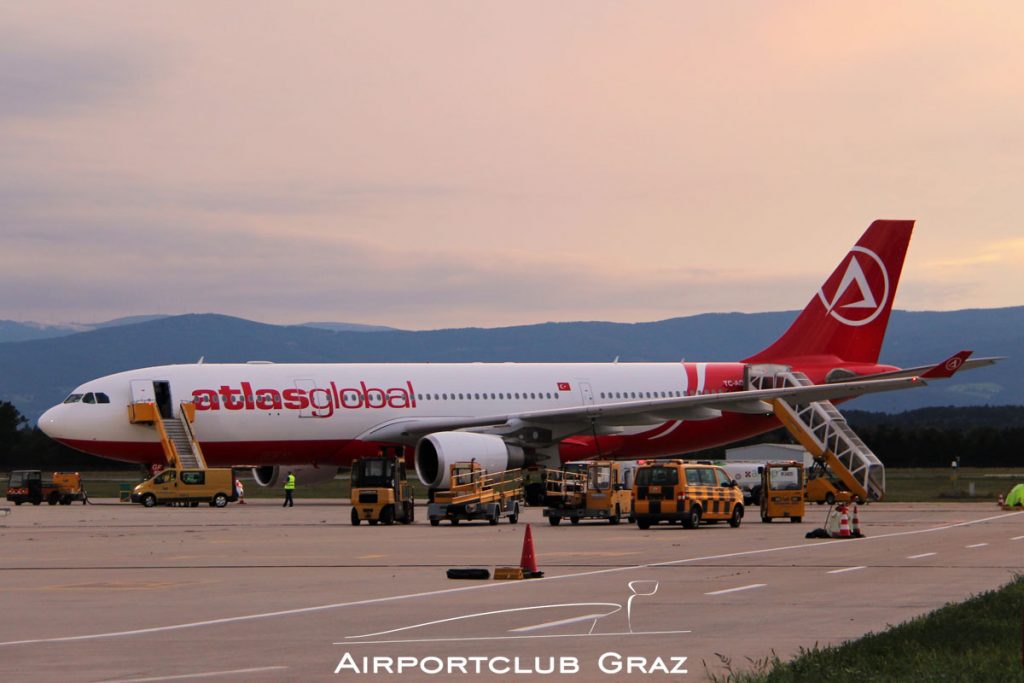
[{"x": 50, "y": 422}]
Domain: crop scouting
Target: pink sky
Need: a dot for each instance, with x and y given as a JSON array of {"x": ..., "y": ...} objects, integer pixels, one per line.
[{"x": 444, "y": 164}]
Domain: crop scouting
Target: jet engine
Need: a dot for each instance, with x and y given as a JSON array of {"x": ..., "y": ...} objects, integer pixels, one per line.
[
  {"x": 435, "y": 452},
  {"x": 274, "y": 475}
]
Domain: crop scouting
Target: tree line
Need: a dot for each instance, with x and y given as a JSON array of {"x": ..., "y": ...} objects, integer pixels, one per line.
[
  {"x": 985, "y": 436},
  {"x": 26, "y": 447}
]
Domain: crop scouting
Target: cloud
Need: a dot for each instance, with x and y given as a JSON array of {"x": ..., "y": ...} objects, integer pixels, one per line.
[{"x": 40, "y": 80}]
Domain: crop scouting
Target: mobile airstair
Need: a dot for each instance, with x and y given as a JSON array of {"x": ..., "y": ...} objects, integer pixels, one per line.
[
  {"x": 823, "y": 431},
  {"x": 177, "y": 437}
]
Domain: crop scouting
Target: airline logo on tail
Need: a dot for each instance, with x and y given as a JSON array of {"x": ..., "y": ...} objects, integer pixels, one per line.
[{"x": 862, "y": 292}]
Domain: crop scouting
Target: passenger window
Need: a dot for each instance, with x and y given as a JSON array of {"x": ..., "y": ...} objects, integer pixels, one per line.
[
  {"x": 707, "y": 476},
  {"x": 193, "y": 478},
  {"x": 692, "y": 477},
  {"x": 721, "y": 477}
]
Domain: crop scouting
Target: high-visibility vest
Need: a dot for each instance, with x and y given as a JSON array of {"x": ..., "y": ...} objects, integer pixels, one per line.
[{"x": 290, "y": 484}]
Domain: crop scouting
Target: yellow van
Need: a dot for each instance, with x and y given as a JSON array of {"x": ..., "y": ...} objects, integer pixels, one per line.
[
  {"x": 688, "y": 492},
  {"x": 187, "y": 487}
]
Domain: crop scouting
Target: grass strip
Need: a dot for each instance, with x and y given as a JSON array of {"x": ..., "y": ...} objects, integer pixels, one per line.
[{"x": 976, "y": 640}]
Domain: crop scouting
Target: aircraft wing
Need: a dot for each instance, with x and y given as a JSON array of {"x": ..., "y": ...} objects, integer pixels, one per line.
[
  {"x": 650, "y": 411},
  {"x": 958, "y": 362}
]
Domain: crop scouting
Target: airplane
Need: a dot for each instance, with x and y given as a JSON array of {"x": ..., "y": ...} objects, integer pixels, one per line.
[{"x": 313, "y": 418}]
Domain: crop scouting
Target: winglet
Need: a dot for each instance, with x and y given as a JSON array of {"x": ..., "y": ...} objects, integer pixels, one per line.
[{"x": 948, "y": 367}]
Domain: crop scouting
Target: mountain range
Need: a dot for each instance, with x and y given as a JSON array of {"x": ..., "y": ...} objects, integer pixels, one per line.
[
  {"x": 14, "y": 331},
  {"x": 38, "y": 372}
]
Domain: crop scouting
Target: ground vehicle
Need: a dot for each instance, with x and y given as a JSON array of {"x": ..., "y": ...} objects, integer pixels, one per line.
[
  {"x": 381, "y": 491},
  {"x": 688, "y": 492},
  {"x": 822, "y": 488},
  {"x": 782, "y": 491},
  {"x": 599, "y": 491},
  {"x": 477, "y": 494},
  {"x": 747, "y": 474},
  {"x": 29, "y": 486},
  {"x": 190, "y": 487}
]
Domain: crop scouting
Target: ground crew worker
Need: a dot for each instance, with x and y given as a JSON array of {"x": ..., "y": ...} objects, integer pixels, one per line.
[
  {"x": 289, "y": 488},
  {"x": 240, "y": 491}
]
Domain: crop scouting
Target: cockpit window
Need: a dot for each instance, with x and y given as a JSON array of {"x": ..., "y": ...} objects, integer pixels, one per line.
[
  {"x": 102, "y": 398},
  {"x": 73, "y": 398},
  {"x": 89, "y": 398}
]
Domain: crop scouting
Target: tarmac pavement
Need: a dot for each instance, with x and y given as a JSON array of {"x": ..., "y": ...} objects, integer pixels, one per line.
[{"x": 111, "y": 592}]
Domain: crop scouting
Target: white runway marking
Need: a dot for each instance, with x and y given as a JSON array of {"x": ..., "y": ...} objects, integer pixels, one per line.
[
  {"x": 976, "y": 545},
  {"x": 206, "y": 674},
  {"x": 736, "y": 590},
  {"x": 847, "y": 569},
  {"x": 1016, "y": 538},
  {"x": 918, "y": 557},
  {"x": 507, "y": 585}
]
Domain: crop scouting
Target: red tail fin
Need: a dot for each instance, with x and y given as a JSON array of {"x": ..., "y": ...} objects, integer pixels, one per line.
[{"x": 848, "y": 316}]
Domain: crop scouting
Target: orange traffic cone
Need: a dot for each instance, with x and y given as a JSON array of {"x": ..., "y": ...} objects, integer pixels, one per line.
[
  {"x": 855, "y": 523},
  {"x": 844, "y": 523},
  {"x": 529, "y": 559}
]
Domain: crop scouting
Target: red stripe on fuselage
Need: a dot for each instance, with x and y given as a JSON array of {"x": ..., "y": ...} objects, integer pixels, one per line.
[{"x": 236, "y": 453}]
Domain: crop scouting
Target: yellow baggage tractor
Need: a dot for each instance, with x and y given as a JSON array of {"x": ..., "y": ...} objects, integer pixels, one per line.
[{"x": 782, "y": 491}]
